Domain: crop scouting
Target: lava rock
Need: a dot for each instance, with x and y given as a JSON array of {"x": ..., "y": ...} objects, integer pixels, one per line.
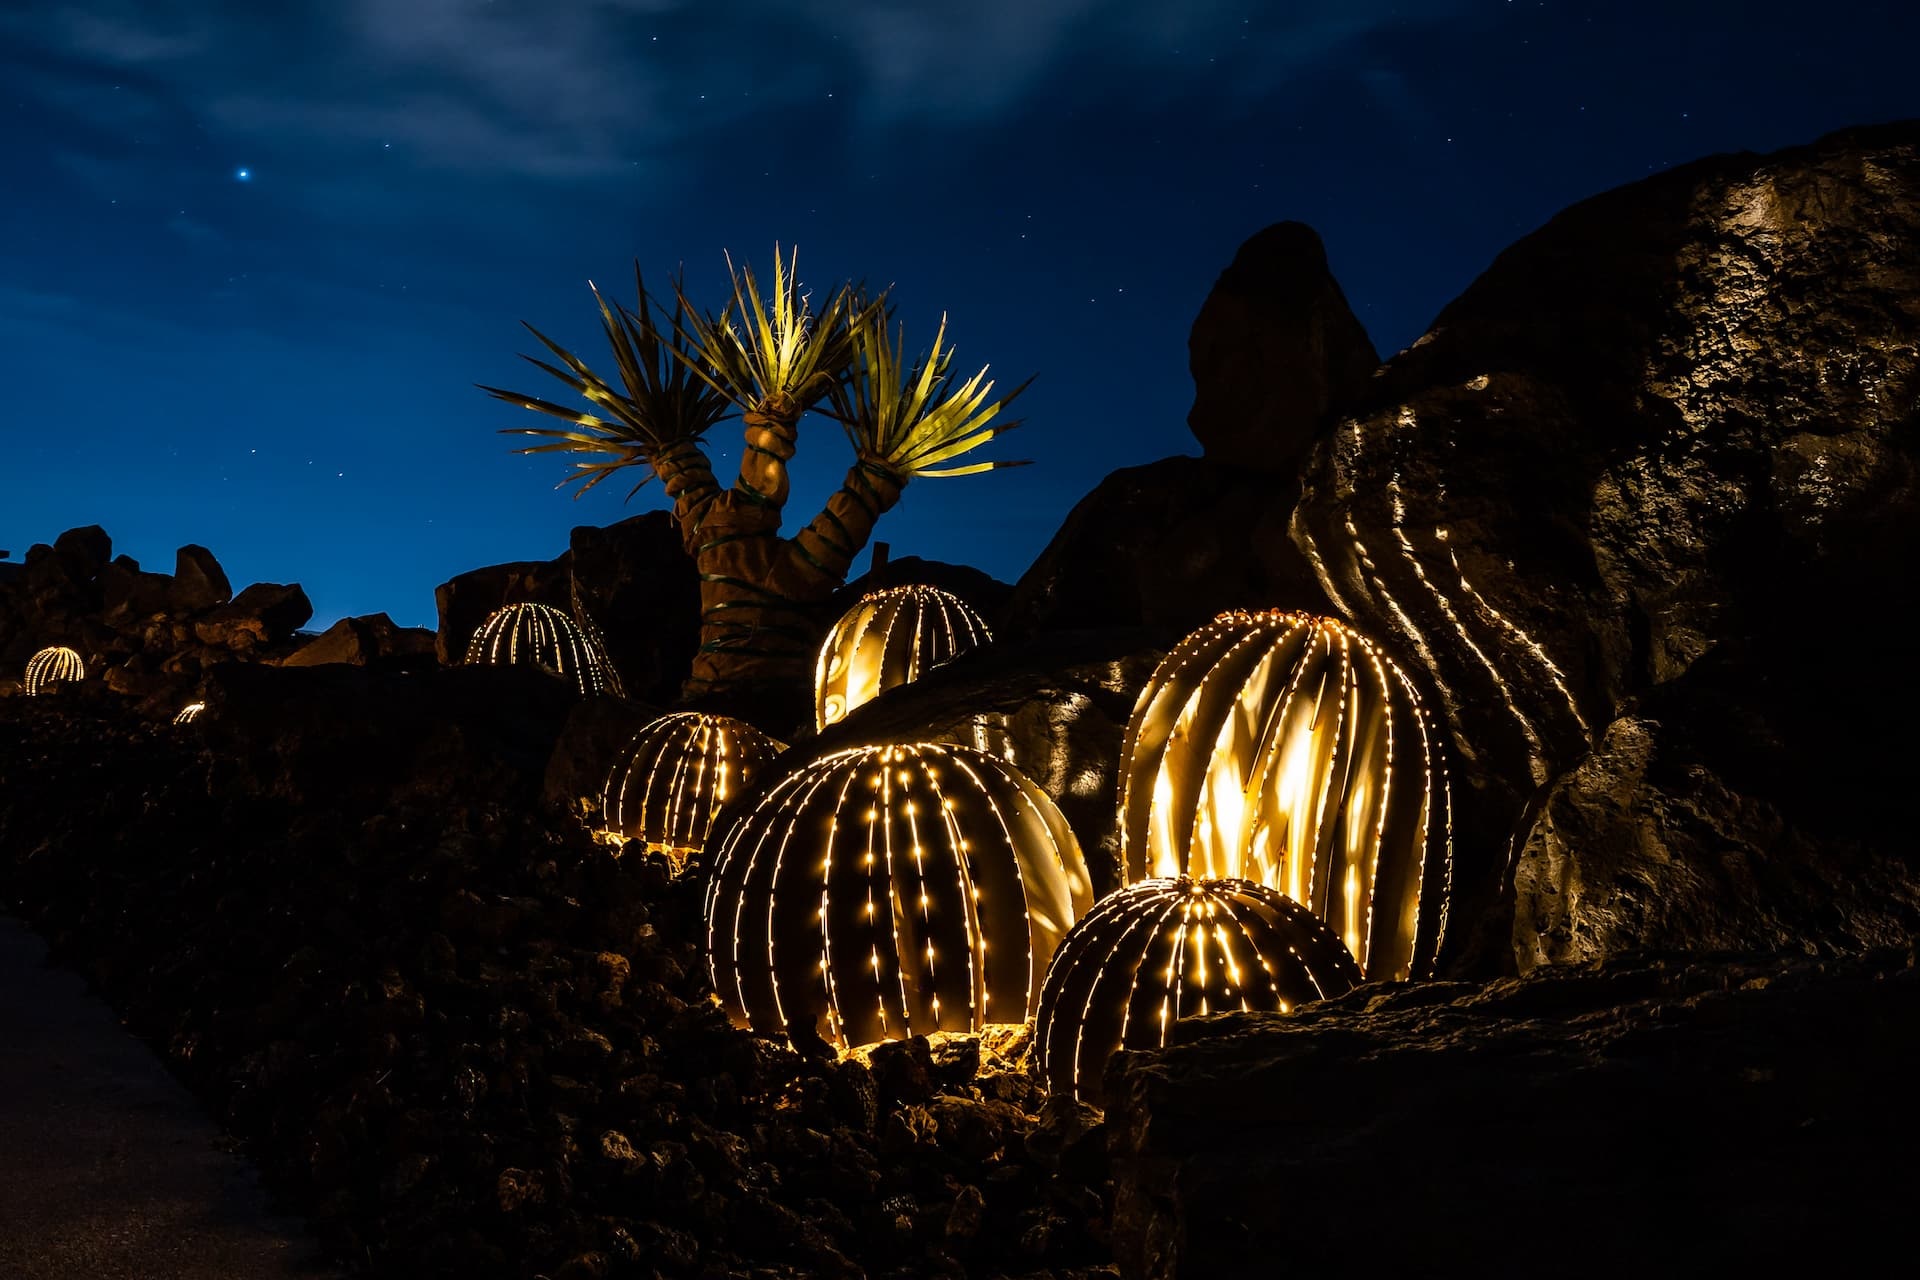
[
  {"x": 199, "y": 583},
  {"x": 373, "y": 640}
]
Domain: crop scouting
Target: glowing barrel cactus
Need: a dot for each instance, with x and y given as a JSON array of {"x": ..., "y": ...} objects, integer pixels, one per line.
[
  {"x": 883, "y": 892},
  {"x": 1166, "y": 949},
  {"x": 676, "y": 774},
  {"x": 51, "y": 666},
  {"x": 189, "y": 713},
  {"x": 1286, "y": 749},
  {"x": 539, "y": 635},
  {"x": 890, "y": 638}
]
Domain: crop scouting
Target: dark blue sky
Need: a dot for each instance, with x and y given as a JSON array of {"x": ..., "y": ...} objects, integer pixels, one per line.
[{"x": 281, "y": 365}]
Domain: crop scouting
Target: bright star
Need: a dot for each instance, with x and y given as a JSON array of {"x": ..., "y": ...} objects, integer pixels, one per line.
[{"x": 244, "y": 175}]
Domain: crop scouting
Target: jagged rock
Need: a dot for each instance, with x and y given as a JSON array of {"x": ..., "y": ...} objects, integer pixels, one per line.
[
  {"x": 1725, "y": 1114},
  {"x": 262, "y": 615},
  {"x": 634, "y": 581},
  {"x": 368, "y": 641},
  {"x": 1667, "y": 425},
  {"x": 198, "y": 580},
  {"x": 1274, "y": 350},
  {"x": 1055, "y": 707},
  {"x": 1169, "y": 544},
  {"x": 128, "y": 597},
  {"x": 88, "y": 547}
]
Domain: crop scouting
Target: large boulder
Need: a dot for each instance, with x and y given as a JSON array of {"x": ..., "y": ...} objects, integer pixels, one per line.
[
  {"x": 261, "y": 616},
  {"x": 198, "y": 580},
  {"x": 88, "y": 546},
  {"x": 1274, "y": 350},
  {"x": 368, "y": 641},
  {"x": 1672, "y": 427},
  {"x": 1666, "y": 1117},
  {"x": 1166, "y": 545}
]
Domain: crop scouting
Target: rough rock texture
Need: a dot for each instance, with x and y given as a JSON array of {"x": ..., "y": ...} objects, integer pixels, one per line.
[
  {"x": 1274, "y": 350},
  {"x": 1056, "y": 708},
  {"x": 1731, "y": 1115},
  {"x": 373, "y": 640},
  {"x": 198, "y": 580},
  {"x": 634, "y": 581},
  {"x": 1674, "y": 426},
  {"x": 1167, "y": 545}
]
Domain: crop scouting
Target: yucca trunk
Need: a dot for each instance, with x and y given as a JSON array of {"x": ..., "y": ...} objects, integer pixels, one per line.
[{"x": 760, "y": 593}]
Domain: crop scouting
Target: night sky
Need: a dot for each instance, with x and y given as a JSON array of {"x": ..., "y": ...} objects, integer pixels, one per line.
[{"x": 254, "y": 256}]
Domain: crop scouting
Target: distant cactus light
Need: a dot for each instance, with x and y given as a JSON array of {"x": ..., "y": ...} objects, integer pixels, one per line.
[
  {"x": 1287, "y": 749},
  {"x": 889, "y": 638},
  {"x": 51, "y": 666},
  {"x": 676, "y": 774},
  {"x": 190, "y": 713},
  {"x": 1165, "y": 949},
  {"x": 884, "y": 892},
  {"x": 546, "y": 638}
]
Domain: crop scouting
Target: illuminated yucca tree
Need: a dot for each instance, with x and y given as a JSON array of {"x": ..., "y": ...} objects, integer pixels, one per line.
[
  {"x": 769, "y": 359},
  {"x": 54, "y": 665},
  {"x": 1165, "y": 949},
  {"x": 676, "y": 774},
  {"x": 1287, "y": 749},
  {"x": 890, "y": 637},
  {"x": 549, "y": 639},
  {"x": 883, "y": 892}
]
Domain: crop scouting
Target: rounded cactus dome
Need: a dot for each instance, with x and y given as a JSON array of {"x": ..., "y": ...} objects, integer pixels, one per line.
[
  {"x": 546, "y": 638},
  {"x": 890, "y": 891},
  {"x": 1165, "y": 949},
  {"x": 889, "y": 638},
  {"x": 51, "y": 666},
  {"x": 1286, "y": 749},
  {"x": 676, "y": 774}
]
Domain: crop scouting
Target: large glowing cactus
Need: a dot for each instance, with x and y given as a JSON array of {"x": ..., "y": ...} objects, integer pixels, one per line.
[
  {"x": 676, "y": 775},
  {"x": 889, "y": 638},
  {"x": 883, "y": 892},
  {"x": 1166, "y": 949},
  {"x": 539, "y": 635},
  {"x": 56, "y": 665},
  {"x": 1287, "y": 749}
]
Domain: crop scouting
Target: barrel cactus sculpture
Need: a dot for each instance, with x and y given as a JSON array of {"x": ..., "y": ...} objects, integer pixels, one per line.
[
  {"x": 189, "y": 713},
  {"x": 676, "y": 774},
  {"x": 1165, "y": 949},
  {"x": 889, "y": 638},
  {"x": 52, "y": 666},
  {"x": 539, "y": 635},
  {"x": 1286, "y": 749},
  {"x": 884, "y": 892}
]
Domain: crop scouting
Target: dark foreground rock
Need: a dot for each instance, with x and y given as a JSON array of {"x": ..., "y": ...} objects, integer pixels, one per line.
[
  {"x": 1732, "y": 1116},
  {"x": 371, "y": 641}
]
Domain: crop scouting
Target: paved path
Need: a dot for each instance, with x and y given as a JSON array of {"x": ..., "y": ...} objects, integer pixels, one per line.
[{"x": 108, "y": 1168}]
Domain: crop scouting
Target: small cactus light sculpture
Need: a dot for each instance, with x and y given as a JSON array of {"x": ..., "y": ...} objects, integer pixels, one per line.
[
  {"x": 889, "y": 638},
  {"x": 190, "y": 713},
  {"x": 1165, "y": 949},
  {"x": 891, "y": 891},
  {"x": 1287, "y": 749},
  {"x": 51, "y": 666},
  {"x": 539, "y": 635},
  {"x": 676, "y": 774}
]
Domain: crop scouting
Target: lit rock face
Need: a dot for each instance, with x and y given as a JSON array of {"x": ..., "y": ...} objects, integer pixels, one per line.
[
  {"x": 886, "y": 892},
  {"x": 1286, "y": 749},
  {"x": 1647, "y": 491},
  {"x": 676, "y": 774},
  {"x": 1274, "y": 349},
  {"x": 546, "y": 639},
  {"x": 887, "y": 639},
  {"x": 1166, "y": 949}
]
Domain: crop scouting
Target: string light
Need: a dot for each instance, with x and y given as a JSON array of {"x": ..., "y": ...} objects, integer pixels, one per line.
[
  {"x": 891, "y": 637},
  {"x": 676, "y": 774},
  {"x": 1169, "y": 948},
  {"x": 51, "y": 666},
  {"x": 190, "y": 713},
  {"x": 539, "y": 635},
  {"x": 889, "y": 892},
  {"x": 1286, "y": 749}
]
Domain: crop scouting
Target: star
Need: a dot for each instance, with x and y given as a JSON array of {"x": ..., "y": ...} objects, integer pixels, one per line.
[{"x": 243, "y": 175}]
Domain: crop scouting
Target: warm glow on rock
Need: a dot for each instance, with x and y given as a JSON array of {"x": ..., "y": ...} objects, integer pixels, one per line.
[
  {"x": 1165, "y": 949},
  {"x": 53, "y": 666},
  {"x": 889, "y": 638},
  {"x": 883, "y": 892},
  {"x": 539, "y": 635},
  {"x": 1287, "y": 749},
  {"x": 676, "y": 774}
]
